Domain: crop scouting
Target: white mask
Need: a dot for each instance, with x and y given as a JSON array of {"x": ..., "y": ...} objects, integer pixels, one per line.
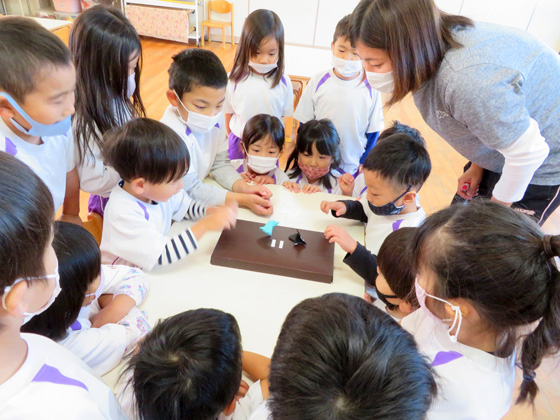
[
  {"x": 131, "y": 85},
  {"x": 263, "y": 68},
  {"x": 261, "y": 164},
  {"x": 457, "y": 319},
  {"x": 383, "y": 82},
  {"x": 346, "y": 68},
  {"x": 56, "y": 291},
  {"x": 99, "y": 288},
  {"x": 199, "y": 123}
]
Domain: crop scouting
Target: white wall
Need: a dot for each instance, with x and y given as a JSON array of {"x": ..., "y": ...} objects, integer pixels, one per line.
[{"x": 312, "y": 22}]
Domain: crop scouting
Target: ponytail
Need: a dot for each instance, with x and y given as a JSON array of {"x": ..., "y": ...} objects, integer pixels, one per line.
[{"x": 545, "y": 339}]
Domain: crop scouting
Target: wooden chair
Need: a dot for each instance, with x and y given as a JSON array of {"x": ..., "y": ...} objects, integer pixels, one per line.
[
  {"x": 298, "y": 86},
  {"x": 94, "y": 225},
  {"x": 221, "y": 7}
]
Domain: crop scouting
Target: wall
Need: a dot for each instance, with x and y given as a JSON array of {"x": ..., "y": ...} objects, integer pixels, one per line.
[{"x": 312, "y": 22}]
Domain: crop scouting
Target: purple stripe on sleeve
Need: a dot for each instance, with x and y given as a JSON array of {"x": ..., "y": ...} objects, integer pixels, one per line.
[
  {"x": 51, "y": 374},
  {"x": 240, "y": 169},
  {"x": 323, "y": 80},
  {"x": 143, "y": 207},
  {"x": 363, "y": 191},
  {"x": 397, "y": 224},
  {"x": 11, "y": 148},
  {"x": 217, "y": 125},
  {"x": 369, "y": 88},
  {"x": 284, "y": 81},
  {"x": 444, "y": 357},
  {"x": 188, "y": 131},
  {"x": 235, "y": 87},
  {"x": 300, "y": 176},
  {"x": 274, "y": 178},
  {"x": 76, "y": 326}
]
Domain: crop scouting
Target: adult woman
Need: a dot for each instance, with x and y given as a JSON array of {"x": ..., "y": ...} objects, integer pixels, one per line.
[{"x": 493, "y": 93}]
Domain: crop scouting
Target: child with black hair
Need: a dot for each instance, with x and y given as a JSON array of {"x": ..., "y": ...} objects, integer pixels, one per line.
[
  {"x": 394, "y": 172},
  {"x": 257, "y": 82},
  {"x": 189, "y": 367},
  {"x": 489, "y": 290},
  {"x": 37, "y": 82},
  {"x": 315, "y": 159},
  {"x": 107, "y": 53},
  {"x": 394, "y": 284},
  {"x": 262, "y": 142},
  {"x": 338, "y": 358},
  {"x": 197, "y": 89},
  {"x": 152, "y": 160},
  {"x": 38, "y": 378},
  {"x": 343, "y": 95},
  {"x": 95, "y": 315},
  {"x": 356, "y": 186}
]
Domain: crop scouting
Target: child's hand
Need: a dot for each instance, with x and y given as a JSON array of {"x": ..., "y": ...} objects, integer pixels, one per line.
[
  {"x": 336, "y": 234},
  {"x": 258, "y": 204},
  {"x": 338, "y": 207},
  {"x": 258, "y": 190},
  {"x": 263, "y": 180},
  {"x": 346, "y": 183},
  {"x": 291, "y": 186},
  {"x": 221, "y": 217},
  {"x": 310, "y": 189},
  {"x": 246, "y": 176},
  {"x": 368, "y": 298},
  {"x": 243, "y": 388},
  {"x": 114, "y": 311}
]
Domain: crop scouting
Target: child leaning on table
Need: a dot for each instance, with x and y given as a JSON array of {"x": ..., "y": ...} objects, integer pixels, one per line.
[
  {"x": 95, "y": 315},
  {"x": 152, "y": 160},
  {"x": 394, "y": 171},
  {"x": 338, "y": 358},
  {"x": 197, "y": 90},
  {"x": 189, "y": 367},
  {"x": 262, "y": 142}
]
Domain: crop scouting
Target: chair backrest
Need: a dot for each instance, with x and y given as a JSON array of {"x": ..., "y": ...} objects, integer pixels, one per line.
[{"x": 219, "y": 6}]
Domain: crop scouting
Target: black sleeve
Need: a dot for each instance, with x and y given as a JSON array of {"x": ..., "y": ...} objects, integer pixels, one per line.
[
  {"x": 364, "y": 263},
  {"x": 354, "y": 211}
]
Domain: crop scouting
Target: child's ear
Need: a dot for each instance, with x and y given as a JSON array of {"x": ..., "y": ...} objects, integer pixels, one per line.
[
  {"x": 409, "y": 197},
  {"x": 406, "y": 307},
  {"x": 172, "y": 98},
  {"x": 6, "y": 109},
  {"x": 467, "y": 310},
  {"x": 14, "y": 300},
  {"x": 332, "y": 47},
  {"x": 137, "y": 185}
]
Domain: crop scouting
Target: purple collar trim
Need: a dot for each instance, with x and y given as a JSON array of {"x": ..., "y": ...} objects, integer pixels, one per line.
[
  {"x": 51, "y": 374},
  {"x": 143, "y": 207},
  {"x": 322, "y": 81}
]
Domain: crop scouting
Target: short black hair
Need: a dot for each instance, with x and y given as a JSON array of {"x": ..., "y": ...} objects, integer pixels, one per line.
[
  {"x": 26, "y": 50},
  {"x": 188, "y": 367},
  {"x": 145, "y": 148},
  {"x": 338, "y": 357},
  {"x": 399, "y": 127},
  {"x": 394, "y": 261},
  {"x": 196, "y": 67},
  {"x": 260, "y": 126},
  {"x": 401, "y": 160},
  {"x": 342, "y": 29},
  {"x": 79, "y": 264}
]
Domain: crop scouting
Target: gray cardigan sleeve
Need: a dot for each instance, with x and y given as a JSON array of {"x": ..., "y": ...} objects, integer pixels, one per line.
[
  {"x": 223, "y": 171},
  {"x": 209, "y": 195}
]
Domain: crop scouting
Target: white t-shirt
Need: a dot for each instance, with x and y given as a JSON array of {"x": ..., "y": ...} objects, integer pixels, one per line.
[
  {"x": 96, "y": 177},
  {"x": 243, "y": 409},
  {"x": 103, "y": 348},
  {"x": 360, "y": 187},
  {"x": 353, "y": 107},
  {"x": 53, "y": 383},
  {"x": 472, "y": 384},
  {"x": 255, "y": 95},
  {"x": 302, "y": 180},
  {"x": 277, "y": 174},
  {"x": 134, "y": 232},
  {"x": 262, "y": 412},
  {"x": 51, "y": 161},
  {"x": 379, "y": 227}
]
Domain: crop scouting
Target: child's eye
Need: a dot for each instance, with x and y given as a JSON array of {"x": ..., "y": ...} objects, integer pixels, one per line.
[{"x": 200, "y": 107}]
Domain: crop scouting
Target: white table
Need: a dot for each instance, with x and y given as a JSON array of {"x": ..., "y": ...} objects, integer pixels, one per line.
[{"x": 259, "y": 302}]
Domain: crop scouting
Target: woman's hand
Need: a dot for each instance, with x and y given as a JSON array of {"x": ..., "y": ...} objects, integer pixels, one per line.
[{"x": 467, "y": 184}]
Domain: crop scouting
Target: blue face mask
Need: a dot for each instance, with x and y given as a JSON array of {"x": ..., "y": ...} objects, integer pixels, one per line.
[
  {"x": 37, "y": 129},
  {"x": 388, "y": 209}
]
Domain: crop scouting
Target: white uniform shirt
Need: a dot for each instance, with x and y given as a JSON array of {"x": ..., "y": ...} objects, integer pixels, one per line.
[
  {"x": 353, "y": 107},
  {"x": 472, "y": 384},
  {"x": 134, "y": 232},
  {"x": 302, "y": 180},
  {"x": 53, "y": 383},
  {"x": 103, "y": 348},
  {"x": 277, "y": 174},
  {"x": 243, "y": 409},
  {"x": 262, "y": 412},
  {"x": 95, "y": 177},
  {"x": 50, "y": 160},
  {"x": 379, "y": 227},
  {"x": 255, "y": 95}
]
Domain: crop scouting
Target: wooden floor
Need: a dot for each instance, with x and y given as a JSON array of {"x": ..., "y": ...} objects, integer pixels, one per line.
[{"x": 436, "y": 193}]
